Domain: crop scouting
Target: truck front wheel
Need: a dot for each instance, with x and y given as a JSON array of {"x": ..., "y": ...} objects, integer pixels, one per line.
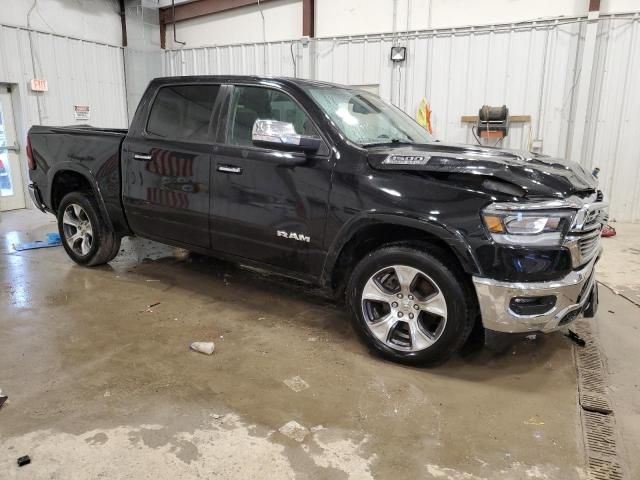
[
  {"x": 409, "y": 306},
  {"x": 86, "y": 237}
]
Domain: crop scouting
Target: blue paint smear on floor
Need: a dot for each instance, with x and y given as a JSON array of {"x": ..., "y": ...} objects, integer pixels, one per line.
[{"x": 53, "y": 240}]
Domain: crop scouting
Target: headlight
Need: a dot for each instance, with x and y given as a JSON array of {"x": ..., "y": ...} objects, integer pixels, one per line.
[{"x": 527, "y": 227}]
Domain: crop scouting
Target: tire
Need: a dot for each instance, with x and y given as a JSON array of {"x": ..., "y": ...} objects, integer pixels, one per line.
[
  {"x": 87, "y": 238},
  {"x": 437, "y": 298}
]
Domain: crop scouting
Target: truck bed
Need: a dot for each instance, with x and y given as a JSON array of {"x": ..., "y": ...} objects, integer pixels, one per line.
[{"x": 93, "y": 153}]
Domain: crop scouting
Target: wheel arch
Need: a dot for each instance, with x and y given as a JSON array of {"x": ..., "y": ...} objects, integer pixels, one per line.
[
  {"x": 69, "y": 177},
  {"x": 373, "y": 231}
]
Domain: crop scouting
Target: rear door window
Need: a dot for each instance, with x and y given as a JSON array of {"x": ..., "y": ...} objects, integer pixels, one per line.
[{"x": 183, "y": 112}]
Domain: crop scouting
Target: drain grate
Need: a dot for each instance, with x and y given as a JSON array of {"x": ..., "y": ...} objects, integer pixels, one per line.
[
  {"x": 589, "y": 357},
  {"x": 600, "y": 433},
  {"x": 591, "y": 381},
  {"x": 598, "y": 421},
  {"x": 594, "y": 402},
  {"x": 600, "y": 469}
]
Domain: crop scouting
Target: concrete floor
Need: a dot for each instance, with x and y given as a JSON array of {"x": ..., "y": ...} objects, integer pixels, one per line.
[
  {"x": 618, "y": 330},
  {"x": 101, "y": 386},
  {"x": 620, "y": 266}
]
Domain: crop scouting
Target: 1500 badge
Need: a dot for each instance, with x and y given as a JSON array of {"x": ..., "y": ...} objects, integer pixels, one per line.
[{"x": 294, "y": 236}]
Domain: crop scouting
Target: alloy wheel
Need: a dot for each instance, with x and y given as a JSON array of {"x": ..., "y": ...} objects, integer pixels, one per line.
[
  {"x": 404, "y": 308},
  {"x": 77, "y": 229}
]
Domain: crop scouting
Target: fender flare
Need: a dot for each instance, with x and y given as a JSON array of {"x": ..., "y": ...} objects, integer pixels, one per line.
[
  {"x": 86, "y": 173},
  {"x": 452, "y": 237}
]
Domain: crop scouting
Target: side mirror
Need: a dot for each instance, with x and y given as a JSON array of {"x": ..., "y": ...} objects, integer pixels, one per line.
[{"x": 282, "y": 136}]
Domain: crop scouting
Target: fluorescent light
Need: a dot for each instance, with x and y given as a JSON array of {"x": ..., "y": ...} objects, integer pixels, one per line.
[{"x": 398, "y": 54}]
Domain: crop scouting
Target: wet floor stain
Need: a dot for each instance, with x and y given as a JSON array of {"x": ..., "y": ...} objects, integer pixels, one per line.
[{"x": 72, "y": 334}]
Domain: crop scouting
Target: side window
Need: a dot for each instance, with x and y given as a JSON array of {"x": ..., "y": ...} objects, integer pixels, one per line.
[
  {"x": 183, "y": 112},
  {"x": 258, "y": 103}
]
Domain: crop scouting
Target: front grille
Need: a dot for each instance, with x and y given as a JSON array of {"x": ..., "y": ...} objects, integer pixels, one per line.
[
  {"x": 583, "y": 240},
  {"x": 583, "y": 245},
  {"x": 589, "y": 246},
  {"x": 594, "y": 220}
]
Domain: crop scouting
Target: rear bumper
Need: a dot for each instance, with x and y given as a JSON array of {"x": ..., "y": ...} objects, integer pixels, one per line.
[
  {"x": 36, "y": 197},
  {"x": 572, "y": 296}
]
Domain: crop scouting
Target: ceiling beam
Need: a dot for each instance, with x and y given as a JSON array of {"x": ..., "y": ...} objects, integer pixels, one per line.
[
  {"x": 199, "y": 8},
  {"x": 163, "y": 35},
  {"x": 123, "y": 23},
  {"x": 308, "y": 18}
]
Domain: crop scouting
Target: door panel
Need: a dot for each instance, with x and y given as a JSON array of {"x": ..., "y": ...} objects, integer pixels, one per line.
[
  {"x": 166, "y": 190},
  {"x": 257, "y": 210},
  {"x": 266, "y": 208},
  {"x": 11, "y": 185}
]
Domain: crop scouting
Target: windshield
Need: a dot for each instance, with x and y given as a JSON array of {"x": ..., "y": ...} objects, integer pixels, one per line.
[{"x": 366, "y": 119}]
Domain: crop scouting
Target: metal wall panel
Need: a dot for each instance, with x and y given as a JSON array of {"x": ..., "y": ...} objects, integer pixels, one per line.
[
  {"x": 275, "y": 58},
  {"x": 79, "y": 72},
  {"x": 533, "y": 67},
  {"x": 529, "y": 67},
  {"x": 613, "y": 122}
]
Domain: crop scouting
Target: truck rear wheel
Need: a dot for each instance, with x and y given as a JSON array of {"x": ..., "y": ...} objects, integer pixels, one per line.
[
  {"x": 86, "y": 236},
  {"x": 408, "y": 306}
]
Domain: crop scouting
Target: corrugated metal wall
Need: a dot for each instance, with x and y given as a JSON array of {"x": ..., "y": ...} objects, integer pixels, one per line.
[
  {"x": 533, "y": 67},
  {"x": 246, "y": 59},
  {"x": 528, "y": 66},
  {"x": 79, "y": 72},
  {"x": 612, "y": 142}
]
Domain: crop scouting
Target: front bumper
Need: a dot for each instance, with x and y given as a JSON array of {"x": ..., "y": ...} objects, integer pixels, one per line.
[{"x": 572, "y": 296}]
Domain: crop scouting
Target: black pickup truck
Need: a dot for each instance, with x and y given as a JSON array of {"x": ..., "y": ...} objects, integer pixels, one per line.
[{"x": 334, "y": 187}]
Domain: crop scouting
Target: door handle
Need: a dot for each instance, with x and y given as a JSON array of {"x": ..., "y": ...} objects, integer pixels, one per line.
[
  {"x": 142, "y": 156},
  {"x": 229, "y": 169}
]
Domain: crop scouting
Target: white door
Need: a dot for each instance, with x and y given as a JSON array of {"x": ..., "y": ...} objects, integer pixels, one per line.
[{"x": 11, "y": 186}]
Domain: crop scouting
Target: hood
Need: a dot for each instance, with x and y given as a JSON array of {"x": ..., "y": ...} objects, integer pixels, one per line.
[{"x": 530, "y": 174}]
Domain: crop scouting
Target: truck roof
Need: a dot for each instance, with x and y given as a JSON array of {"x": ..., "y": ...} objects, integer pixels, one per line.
[{"x": 245, "y": 78}]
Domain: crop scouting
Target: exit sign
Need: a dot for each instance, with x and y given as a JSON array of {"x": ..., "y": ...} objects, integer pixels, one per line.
[{"x": 38, "y": 85}]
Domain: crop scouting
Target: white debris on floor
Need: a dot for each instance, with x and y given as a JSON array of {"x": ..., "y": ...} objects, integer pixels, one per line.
[
  {"x": 294, "y": 430},
  {"x": 202, "y": 347},
  {"x": 297, "y": 384}
]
